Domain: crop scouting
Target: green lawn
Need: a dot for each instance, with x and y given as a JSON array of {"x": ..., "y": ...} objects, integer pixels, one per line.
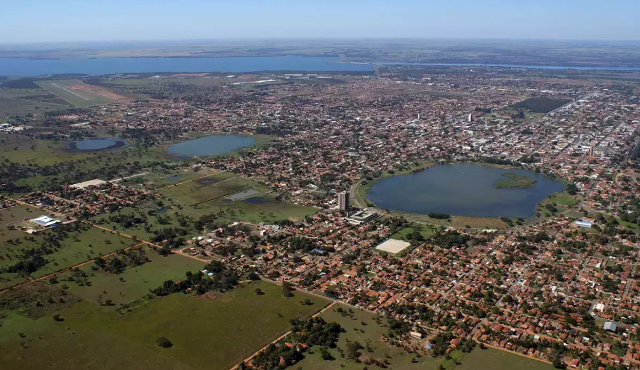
[
  {"x": 134, "y": 282},
  {"x": 205, "y": 334}
]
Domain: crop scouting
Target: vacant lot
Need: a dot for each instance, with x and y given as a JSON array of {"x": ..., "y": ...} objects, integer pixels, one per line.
[
  {"x": 205, "y": 334},
  {"x": 79, "y": 93}
]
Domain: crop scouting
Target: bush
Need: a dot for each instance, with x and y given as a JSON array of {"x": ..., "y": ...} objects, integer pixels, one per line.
[{"x": 163, "y": 342}]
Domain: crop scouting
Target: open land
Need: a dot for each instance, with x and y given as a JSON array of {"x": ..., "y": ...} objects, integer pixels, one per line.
[
  {"x": 235, "y": 324},
  {"x": 523, "y": 288}
]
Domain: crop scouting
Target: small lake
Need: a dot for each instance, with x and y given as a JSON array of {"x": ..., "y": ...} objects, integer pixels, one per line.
[
  {"x": 462, "y": 190},
  {"x": 211, "y": 145},
  {"x": 94, "y": 144}
]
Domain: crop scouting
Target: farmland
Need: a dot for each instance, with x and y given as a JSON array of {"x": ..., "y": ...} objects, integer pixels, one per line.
[
  {"x": 80, "y": 94},
  {"x": 235, "y": 324}
]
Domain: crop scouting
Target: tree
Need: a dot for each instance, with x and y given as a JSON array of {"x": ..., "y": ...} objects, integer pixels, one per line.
[
  {"x": 163, "y": 342},
  {"x": 353, "y": 350},
  {"x": 258, "y": 291},
  {"x": 286, "y": 290},
  {"x": 253, "y": 276}
]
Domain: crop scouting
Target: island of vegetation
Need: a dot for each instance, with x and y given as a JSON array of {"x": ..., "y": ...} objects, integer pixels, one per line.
[{"x": 514, "y": 180}]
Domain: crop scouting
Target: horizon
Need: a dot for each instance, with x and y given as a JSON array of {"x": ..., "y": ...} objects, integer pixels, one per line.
[{"x": 37, "y": 21}]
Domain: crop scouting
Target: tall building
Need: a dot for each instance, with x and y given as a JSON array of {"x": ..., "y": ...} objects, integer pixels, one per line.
[{"x": 343, "y": 201}]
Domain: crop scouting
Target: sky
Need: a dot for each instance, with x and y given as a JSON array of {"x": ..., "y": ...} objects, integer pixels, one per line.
[{"x": 26, "y": 21}]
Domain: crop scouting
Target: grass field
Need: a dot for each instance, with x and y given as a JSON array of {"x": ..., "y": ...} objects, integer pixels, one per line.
[
  {"x": 206, "y": 196},
  {"x": 425, "y": 230},
  {"x": 79, "y": 93},
  {"x": 205, "y": 334},
  {"x": 78, "y": 247},
  {"x": 370, "y": 333},
  {"x": 493, "y": 359},
  {"x": 134, "y": 282}
]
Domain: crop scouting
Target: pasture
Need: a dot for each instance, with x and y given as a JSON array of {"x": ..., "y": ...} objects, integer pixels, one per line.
[
  {"x": 206, "y": 334},
  {"x": 132, "y": 284},
  {"x": 81, "y": 94}
]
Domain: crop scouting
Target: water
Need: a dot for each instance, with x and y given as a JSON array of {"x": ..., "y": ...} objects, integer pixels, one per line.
[
  {"x": 526, "y": 66},
  {"x": 258, "y": 200},
  {"x": 173, "y": 178},
  {"x": 211, "y": 145},
  {"x": 463, "y": 190},
  {"x": 37, "y": 67},
  {"x": 97, "y": 144}
]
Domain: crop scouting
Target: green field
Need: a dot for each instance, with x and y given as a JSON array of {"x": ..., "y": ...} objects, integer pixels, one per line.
[
  {"x": 402, "y": 234},
  {"x": 493, "y": 359},
  {"x": 77, "y": 247},
  {"x": 134, "y": 282},
  {"x": 206, "y": 334},
  {"x": 370, "y": 333},
  {"x": 207, "y": 196}
]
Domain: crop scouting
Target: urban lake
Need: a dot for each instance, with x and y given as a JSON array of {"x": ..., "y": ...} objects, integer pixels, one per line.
[{"x": 462, "y": 190}]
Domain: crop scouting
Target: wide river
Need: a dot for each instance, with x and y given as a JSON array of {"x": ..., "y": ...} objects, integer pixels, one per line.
[
  {"x": 463, "y": 190},
  {"x": 38, "y": 67},
  {"x": 211, "y": 145}
]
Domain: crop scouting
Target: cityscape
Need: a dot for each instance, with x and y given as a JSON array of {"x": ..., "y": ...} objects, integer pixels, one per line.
[{"x": 311, "y": 203}]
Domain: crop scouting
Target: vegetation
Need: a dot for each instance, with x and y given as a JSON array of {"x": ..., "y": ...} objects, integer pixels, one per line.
[{"x": 515, "y": 181}]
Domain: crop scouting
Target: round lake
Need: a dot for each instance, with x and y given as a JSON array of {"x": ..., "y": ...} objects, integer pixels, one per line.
[
  {"x": 97, "y": 144},
  {"x": 462, "y": 190},
  {"x": 211, "y": 145}
]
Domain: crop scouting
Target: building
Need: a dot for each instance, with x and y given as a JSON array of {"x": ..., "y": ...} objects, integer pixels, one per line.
[
  {"x": 343, "y": 201},
  {"x": 362, "y": 217},
  {"x": 611, "y": 326},
  {"x": 45, "y": 221},
  {"x": 582, "y": 223}
]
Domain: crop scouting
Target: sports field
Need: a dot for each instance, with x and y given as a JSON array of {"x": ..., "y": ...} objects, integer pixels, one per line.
[
  {"x": 81, "y": 94},
  {"x": 206, "y": 334}
]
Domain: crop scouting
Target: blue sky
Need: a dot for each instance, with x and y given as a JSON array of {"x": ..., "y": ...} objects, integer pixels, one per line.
[{"x": 93, "y": 20}]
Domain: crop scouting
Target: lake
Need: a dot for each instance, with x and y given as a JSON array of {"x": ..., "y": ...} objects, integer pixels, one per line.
[
  {"x": 94, "y": 144},
  {"x": 38, "y": 67},
  {"x": 211, "y": 145},
  {"x": 462, "y": 190}
]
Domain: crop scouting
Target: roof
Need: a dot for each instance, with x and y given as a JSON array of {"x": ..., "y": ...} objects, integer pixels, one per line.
[{"x": 393, "y": 246}]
